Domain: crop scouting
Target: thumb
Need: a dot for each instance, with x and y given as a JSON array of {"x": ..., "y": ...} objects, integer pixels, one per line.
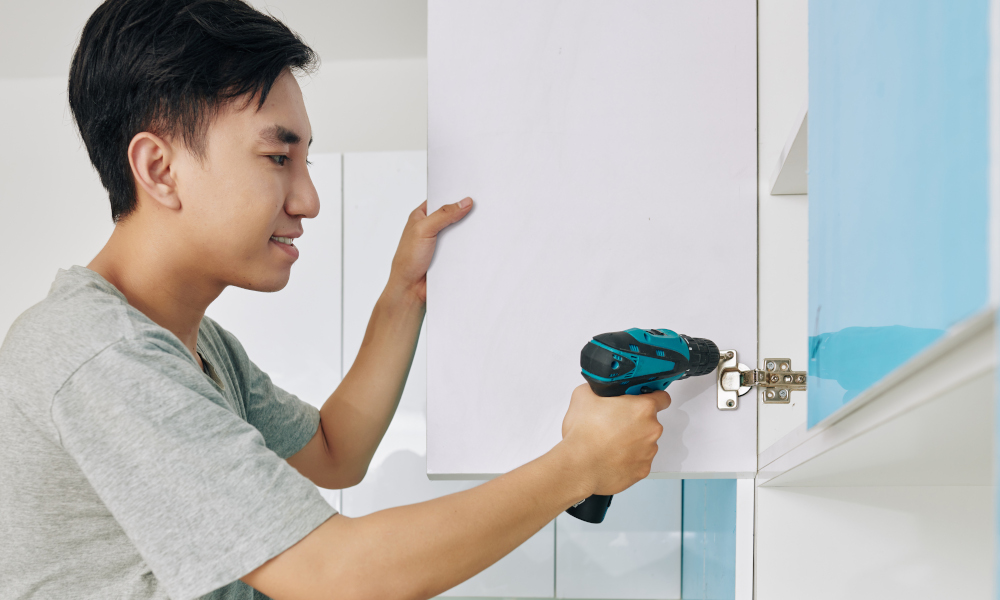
[
  {"x": 445, "y": 216},
  {"x": 662, "y": 399}
]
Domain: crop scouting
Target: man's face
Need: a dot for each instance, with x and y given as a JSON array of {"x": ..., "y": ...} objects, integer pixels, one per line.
[{"x": 249, "y": 193}]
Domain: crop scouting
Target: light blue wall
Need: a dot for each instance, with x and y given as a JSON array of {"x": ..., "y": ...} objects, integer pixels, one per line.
[
  {"x": 898, "y": 202},
  {"x": 708, "y": 550}
]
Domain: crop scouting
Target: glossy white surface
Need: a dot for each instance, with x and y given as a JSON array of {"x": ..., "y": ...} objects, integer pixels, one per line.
[
  {"x": 607, "y": 198},
  {"x": 783, "y": 221},
  {"x": 873, "y": 543},
  {"x": 293, "y": 335},
  {"x": 380, "y": 191},
  {"x": 635, "y": 553}
]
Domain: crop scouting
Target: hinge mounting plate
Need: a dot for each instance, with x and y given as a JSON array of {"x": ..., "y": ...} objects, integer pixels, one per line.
[
  {"x": 775, "y": 379},
  {"x": 729, "y": 384}
]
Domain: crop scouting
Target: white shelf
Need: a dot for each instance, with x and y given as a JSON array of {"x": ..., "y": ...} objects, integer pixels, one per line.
[
  {"x": 791, "y": 173},
  {"x": 930, "y": 422}
]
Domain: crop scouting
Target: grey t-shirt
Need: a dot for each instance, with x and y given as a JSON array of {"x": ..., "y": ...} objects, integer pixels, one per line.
[{"x": 128, "y": 472}]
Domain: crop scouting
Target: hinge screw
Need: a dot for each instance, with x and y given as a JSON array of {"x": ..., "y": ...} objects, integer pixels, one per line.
[
  {"x": 783, "y": 394},
  {"x": 770, "y": 365}
]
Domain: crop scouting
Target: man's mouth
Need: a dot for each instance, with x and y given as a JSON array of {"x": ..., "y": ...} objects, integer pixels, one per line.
[{"x": 283, "y": 240}]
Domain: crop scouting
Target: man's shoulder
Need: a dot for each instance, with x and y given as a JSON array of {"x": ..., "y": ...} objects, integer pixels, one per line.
[
  {"x": 77, "y": 319},
  {"x": 81, "y": 317}
]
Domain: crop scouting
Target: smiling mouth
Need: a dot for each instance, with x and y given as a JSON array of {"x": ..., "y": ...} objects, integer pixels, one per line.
[{"x": 283, "y": 240}]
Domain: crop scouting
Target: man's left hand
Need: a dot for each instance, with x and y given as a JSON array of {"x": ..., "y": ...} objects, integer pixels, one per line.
[{"x": 416, "y": 247}]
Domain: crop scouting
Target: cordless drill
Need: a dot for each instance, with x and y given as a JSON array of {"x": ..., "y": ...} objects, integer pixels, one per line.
[{"x": 639, "y": 361}]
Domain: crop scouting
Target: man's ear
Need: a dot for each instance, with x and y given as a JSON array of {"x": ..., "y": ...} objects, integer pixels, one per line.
[{"x": 151, "y": 157}]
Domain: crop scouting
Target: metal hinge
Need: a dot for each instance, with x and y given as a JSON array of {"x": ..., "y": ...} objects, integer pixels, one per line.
[{"x": 776, "y": 380}]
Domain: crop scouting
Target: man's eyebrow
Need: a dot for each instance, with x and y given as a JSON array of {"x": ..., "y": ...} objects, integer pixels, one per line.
[{"x": 277, "y": 134}]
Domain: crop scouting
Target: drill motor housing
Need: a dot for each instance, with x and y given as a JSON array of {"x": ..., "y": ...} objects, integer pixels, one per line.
[{"x": 639, "y": 361}]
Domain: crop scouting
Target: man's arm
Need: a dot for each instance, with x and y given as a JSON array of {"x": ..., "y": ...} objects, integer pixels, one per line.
[
  {"x": 421, "y": 550},
  {"x": 356, "y": 416}
]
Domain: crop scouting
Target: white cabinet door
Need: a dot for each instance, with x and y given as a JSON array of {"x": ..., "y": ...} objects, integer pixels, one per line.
[{"x": 610, "y": 147}]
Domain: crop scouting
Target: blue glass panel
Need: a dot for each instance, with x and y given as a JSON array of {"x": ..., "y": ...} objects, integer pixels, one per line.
[
  {"x": 708, "y": 547},
  {"x": 898, "y": 200}
]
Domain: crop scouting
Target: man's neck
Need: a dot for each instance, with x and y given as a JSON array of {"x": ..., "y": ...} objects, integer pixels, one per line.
[{"x": 158, "y": 280}]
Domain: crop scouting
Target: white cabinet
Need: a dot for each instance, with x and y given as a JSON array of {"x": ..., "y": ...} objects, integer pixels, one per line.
[{"x": 611, "y": 151}]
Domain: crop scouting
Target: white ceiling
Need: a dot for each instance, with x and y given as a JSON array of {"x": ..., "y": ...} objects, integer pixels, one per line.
[{"x": 37, "y": 37}]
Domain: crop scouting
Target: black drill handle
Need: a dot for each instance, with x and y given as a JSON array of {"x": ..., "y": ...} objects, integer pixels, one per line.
[
  {"x": 591, "y": 510},
  {"x": 594, "y": 508}
]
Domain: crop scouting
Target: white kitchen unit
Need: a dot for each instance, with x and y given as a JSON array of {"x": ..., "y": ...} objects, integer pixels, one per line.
[{"x": 604, "y": 145}]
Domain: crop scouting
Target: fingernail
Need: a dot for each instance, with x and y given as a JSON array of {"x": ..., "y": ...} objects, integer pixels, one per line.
[{"x": 465, "y": 203}]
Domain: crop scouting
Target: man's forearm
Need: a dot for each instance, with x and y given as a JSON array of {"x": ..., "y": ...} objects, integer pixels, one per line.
[
  {"x": 357, "y": 414},
  {"x": 421, "y": 550}
]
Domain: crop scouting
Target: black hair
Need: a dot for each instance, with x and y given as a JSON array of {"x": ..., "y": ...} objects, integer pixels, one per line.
[{"x": 167, "y": 67}]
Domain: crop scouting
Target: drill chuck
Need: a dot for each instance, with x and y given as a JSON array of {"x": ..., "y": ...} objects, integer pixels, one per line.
[{"x": 703, "y": 356}]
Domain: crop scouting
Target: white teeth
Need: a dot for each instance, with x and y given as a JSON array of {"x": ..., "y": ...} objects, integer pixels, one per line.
[{"x": 283, "y": 240}]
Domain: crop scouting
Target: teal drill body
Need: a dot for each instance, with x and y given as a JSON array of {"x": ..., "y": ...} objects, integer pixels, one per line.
[{"x": 639, "y": 361}]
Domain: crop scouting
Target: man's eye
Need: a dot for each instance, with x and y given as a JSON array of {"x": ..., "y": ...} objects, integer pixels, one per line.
[{"x": 279, "y": 159}]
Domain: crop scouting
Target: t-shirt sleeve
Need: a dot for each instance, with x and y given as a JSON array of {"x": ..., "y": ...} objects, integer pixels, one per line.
[
  {"x": 286, "y": 422},
  {"x": 193, "y": 486}
]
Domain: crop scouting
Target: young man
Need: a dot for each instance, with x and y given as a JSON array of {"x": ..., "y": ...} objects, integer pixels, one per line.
[{"x": 144, "y": 455}]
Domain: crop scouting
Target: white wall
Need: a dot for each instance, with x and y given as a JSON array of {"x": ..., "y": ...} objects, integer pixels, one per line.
[
  {"x": 368, "y": 105},
  {"x": 54, "y": 210}
]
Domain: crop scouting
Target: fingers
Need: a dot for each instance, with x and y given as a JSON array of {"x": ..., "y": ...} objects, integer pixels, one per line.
[{"x": 444, "y": 216}]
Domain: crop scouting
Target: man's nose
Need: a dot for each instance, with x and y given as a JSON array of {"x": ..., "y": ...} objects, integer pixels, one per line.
[{"x": 304, "y": 200}]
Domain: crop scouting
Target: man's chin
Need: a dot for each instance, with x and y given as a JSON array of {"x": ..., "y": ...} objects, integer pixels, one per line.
[{"x": 261, "y": 282}]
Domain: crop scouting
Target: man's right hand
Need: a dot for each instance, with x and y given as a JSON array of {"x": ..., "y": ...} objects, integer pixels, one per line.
[{"x": 616, "y": 435}]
